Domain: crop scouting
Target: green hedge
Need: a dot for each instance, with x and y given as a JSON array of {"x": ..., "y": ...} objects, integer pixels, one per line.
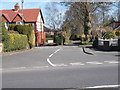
[
  {"x": 15, "y": 42},
  {"x": 59, "y": 39},
  {"x": 26, "y": 30},
  {"x": 11, "y": 26},
  {"x": 3, "y": 32}
]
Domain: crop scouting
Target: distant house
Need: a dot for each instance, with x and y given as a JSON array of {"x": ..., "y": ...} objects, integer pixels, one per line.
[
  {"x": 116, "y": 24},
  {"x": 49, "y": 31},
  {"x": 26, "y": 16}
]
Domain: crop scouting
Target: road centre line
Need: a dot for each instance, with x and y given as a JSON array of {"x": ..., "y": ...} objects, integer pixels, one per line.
[
  {"x": 60, "y": 65},
  {"x": 112, "y": 62},
  {"x": 103, "y": 86},
  {"x": 40, "y": 67},
  {"x": 24, "y": 68},
  {"x": 57, "y": 65},
  {"x": 19, "y": 68},
  {"x": 77, "y": 63},
  {"x": 94, "y": 62}
]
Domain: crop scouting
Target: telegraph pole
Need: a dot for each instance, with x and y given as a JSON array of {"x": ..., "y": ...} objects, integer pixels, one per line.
[{"x": 22, "y": 11}]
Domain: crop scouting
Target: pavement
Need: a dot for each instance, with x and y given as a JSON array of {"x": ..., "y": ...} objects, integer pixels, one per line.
[{"x": 91, "y": 50}]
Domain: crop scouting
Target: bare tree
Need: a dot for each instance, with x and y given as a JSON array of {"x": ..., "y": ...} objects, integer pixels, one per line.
[
  {"x": 54, "y": 16},
  {"x": 66, "y": 30},
  {"x": 84, "y": 14}
]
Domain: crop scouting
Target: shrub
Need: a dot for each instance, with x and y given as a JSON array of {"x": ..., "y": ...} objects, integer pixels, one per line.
[
  {"x": 26, "y": 30},
  {"x": 75, "y": 37},
  {"x": 15, "y": 42},
  {"x": 117, "y": 33},
  {"x": 20, "y": 29},
  {"x": 3, "y": 32},
  {"x": 31, "y": 39},
  {"x": 95, "y": 43},
  {"x": 109, "y": 35},
  {"x": 59, "y": 39},
  {"x": 11, "y": 26}
]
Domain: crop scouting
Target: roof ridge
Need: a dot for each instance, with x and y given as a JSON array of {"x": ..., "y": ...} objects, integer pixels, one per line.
[{"x": 30, "y": 15}]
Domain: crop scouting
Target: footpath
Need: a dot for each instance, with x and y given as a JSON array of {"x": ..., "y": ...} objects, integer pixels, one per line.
[{"x": 92, "y": 51}]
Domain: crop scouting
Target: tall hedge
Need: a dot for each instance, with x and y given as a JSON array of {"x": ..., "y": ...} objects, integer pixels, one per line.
[
  {"x": 27, "y": 30},
  {"x": 11, "y": 26},
  {"x": 15, "y": 42},
  {"x": 3, "y": 32}
]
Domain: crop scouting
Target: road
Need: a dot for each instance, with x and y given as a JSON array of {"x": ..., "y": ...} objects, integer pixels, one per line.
[{"x": 59, "y": 67}]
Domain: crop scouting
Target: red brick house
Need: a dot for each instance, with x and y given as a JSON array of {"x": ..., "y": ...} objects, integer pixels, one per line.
[{"x": 26, "y": 16}]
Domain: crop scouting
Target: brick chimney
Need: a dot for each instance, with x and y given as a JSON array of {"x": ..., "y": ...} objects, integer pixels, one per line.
[{"x": 16, "y": 7}]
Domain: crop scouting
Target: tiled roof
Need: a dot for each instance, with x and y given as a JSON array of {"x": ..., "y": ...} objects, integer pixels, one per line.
[
  {"x": 7, "y": 17},
  {"x": 30, "y": 15}
]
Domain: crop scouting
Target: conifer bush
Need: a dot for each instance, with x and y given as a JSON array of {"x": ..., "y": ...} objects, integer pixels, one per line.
[
  {"x": 15, "y": 42},
  {"x": 27, "y": 30}
]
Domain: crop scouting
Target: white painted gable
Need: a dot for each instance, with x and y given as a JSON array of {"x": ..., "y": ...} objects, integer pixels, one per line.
[{"x": 39, "y": 23}]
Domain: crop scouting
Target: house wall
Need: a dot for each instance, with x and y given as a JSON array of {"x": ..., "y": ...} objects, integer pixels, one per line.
[
  {"x": 40, "y": 36},
  {"x": 39, "y": 23},
  {"x": 39, "y": 30}
]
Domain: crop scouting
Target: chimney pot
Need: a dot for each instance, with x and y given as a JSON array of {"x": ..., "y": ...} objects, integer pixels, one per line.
[{"x": 16, "y": 7}]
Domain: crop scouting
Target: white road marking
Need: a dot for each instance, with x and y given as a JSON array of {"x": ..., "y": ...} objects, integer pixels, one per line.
[
  {"x": 54, "y": 53},
  {"x": 24, "y": 68},
  {"x": 57, "y": 50},
  {"x": 94, "y": 62},
  {"x": 37, "y": 67},
  {"x": 112, "y": 62},
  {"x": 60, "y": 65},
  {"x": 19, "y": 68},
  {"x": 48, "y": 60},
  {"x": 104, "y": 86},
  {"x": 77, "y": 63},
  {"x": 51, "y": 55}
]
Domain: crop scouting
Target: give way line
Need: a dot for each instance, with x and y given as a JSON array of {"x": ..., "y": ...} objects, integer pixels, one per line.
[{"x": 48, "y": 59}]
